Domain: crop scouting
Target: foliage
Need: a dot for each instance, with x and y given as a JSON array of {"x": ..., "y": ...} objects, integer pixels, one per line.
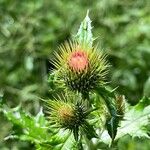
[
  {"x": 36, "y": 129},
  {"x": 28, "y": 37},
  {"x": 132, "y": 120}
]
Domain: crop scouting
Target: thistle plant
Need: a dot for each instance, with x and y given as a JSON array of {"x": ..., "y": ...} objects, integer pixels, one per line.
[
  {"x": 83, "y": 110},
  {"x": 82, "y": 68}
]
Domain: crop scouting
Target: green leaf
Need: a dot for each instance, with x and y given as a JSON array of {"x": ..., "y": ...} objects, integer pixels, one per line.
[
  {"x": 112, "y": 125},
  {"x": 36, "y": 130},
  {"x": 84, "y": 35},
  {"x": 89, "y": 131},
  {"x": 112, "y": 122},
  {"x": 33, "y": 128},
  {"x": 135, "y": 119},
  {"x": 69, "y": 143}
]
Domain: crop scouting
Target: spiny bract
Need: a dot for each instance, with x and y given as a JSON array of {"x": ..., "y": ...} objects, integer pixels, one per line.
[
  {"x": 65, "y": 112},
  {"x": 81, "y": 68}
]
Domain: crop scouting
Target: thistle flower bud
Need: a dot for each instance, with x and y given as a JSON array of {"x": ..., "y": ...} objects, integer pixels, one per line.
[
  {"x": 81, "y": 68},
  {"x": 64, "y": 114}
]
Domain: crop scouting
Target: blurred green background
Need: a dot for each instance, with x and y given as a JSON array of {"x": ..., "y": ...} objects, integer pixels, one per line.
[{"x": 30, "y": 30}]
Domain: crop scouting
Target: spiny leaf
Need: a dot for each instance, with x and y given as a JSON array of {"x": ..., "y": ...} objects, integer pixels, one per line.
[
  {"x": 113, "y": 120},
  {"x": 135, "y": 119},
  {"x": 112, "y": 125},
  {"x": 69, "y": 143},
  {"x": 34, "y": 128},
  {"x": 84, "y": 34},
  {"x": 89, "y": 131}
]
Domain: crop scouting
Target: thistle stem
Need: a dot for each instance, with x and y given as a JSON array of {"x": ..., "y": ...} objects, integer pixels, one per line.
[
  {"x": 85, "y": 96},
  {"x": 79, "y": 143}
]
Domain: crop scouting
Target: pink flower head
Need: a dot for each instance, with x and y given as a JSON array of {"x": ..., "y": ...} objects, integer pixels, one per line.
[{"x": 78, "y": 60}]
